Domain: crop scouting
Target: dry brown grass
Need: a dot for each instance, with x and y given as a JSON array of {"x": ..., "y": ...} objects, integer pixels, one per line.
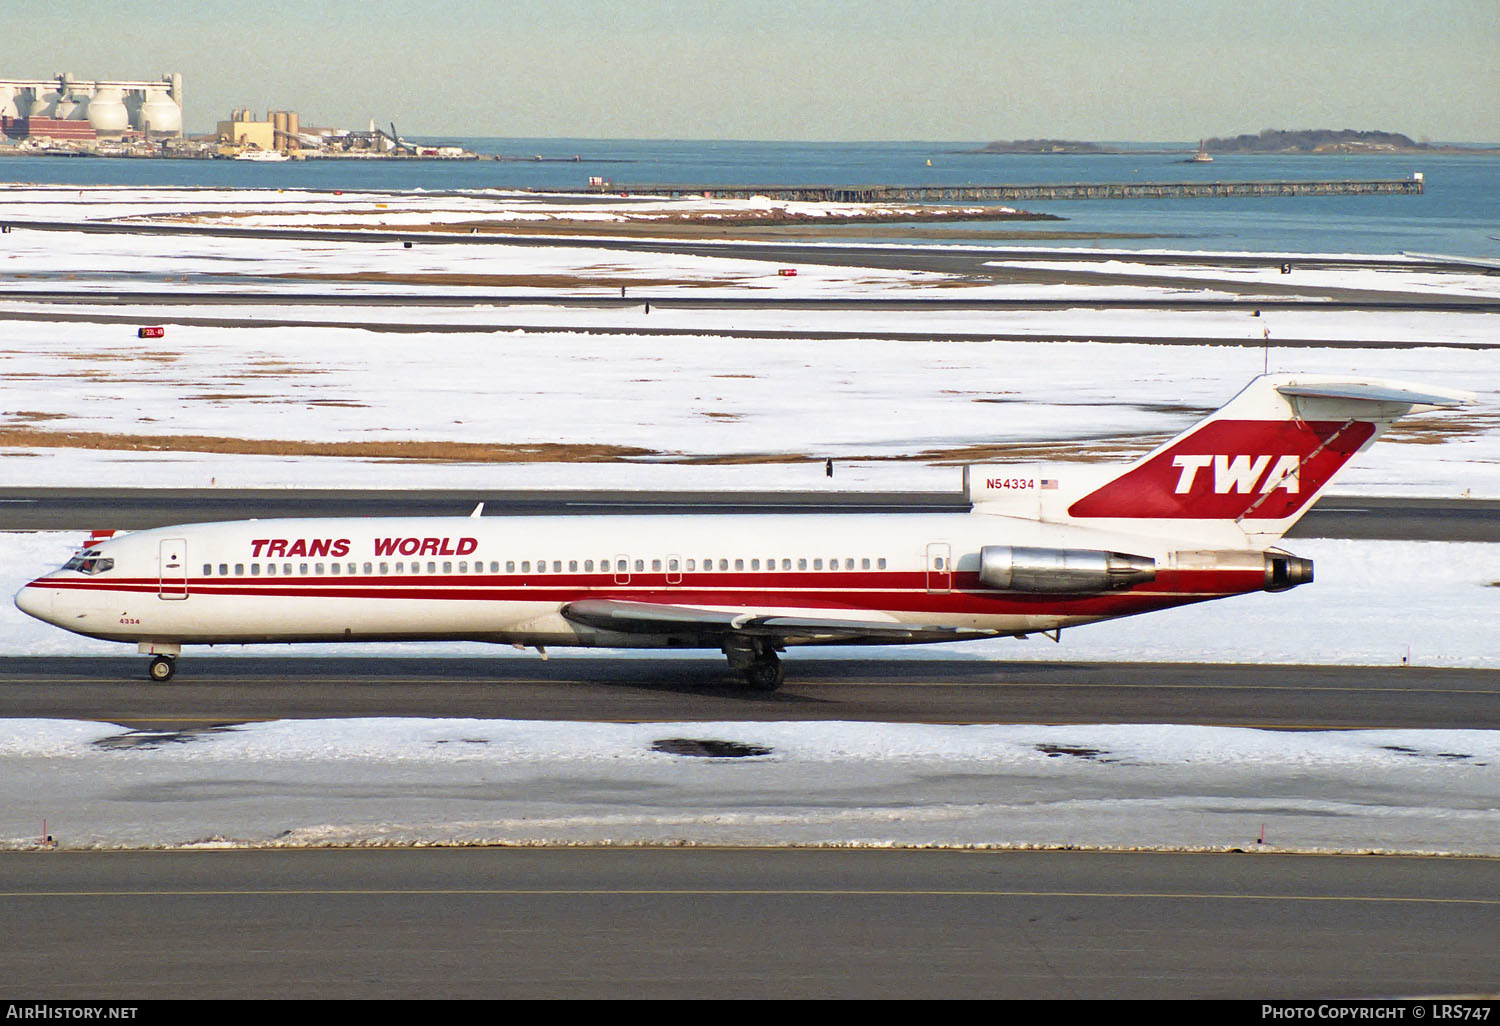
[
  {"x": 435, "y": 451},
  {"x": 1437, "y": 430},
  {"x": 532, "y": 281},
  {"x": 18, "y": 436},
  {"x": 35, "y": 415}
]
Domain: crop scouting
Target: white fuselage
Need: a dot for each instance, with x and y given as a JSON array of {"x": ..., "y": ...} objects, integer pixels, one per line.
[{"x": 507, "y": 579}]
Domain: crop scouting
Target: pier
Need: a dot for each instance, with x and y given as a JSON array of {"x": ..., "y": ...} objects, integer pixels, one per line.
[{"x": 1413, "y": 186}]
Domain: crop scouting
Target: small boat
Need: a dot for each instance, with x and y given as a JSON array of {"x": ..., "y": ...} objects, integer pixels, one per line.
[
  {"x": 268, "y": 156},
  {"x": 1201, "y": 157}
]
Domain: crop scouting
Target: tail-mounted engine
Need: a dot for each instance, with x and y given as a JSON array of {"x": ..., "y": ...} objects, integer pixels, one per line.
[
  {"x": 1061, "y": 571},
  {"x": 1285, "y": 571}
]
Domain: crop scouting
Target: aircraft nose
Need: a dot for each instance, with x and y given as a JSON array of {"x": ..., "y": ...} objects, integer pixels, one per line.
[{"x": 34, "y": 601}]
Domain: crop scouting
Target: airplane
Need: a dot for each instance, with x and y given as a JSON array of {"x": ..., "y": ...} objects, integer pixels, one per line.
[{"x": 1045, "y": 546}]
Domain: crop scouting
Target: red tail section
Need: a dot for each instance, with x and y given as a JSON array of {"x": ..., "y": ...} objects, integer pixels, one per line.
[{"x": 1229, "y": 469}]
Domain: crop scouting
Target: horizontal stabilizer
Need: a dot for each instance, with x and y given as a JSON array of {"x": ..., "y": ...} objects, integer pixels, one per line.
[{"x": 1379, "y": 392}]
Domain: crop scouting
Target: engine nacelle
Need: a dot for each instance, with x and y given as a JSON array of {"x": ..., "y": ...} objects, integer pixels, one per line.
[
  {"x": 1285, "y": 571},
  {"x": 1061, "y": 571}
]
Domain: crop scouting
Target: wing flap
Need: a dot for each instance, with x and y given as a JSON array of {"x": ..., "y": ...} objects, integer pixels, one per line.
[{"x": 655, "y": 618}]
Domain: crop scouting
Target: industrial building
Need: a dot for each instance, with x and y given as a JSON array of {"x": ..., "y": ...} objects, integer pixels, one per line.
[
  {"x": 65, "y": 107},
  {"x": 281, "y": 130}
]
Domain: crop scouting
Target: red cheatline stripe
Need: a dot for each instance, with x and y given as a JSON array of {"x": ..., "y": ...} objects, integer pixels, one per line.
[{"x": 981, "y": 602}]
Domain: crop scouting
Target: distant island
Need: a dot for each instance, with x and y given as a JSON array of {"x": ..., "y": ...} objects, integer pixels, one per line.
[
  {"x": 1041, "y": 146},
  {"x": 1271, "y": 140},
  {"x": 1317, "y": 140}
]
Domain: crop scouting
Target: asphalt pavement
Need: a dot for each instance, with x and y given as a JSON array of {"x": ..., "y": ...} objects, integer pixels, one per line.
[
  {"x": 133, "y": 509},
  {"x": 608, "y": 924}
]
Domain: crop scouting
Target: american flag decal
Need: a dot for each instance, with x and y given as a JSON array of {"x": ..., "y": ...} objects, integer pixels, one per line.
[{"x": 1049, "y": 482}]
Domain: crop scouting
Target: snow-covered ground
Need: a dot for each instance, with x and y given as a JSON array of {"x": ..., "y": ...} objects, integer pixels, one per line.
[
  {"x": 675, "y": 397},
  {"x": 608, "y": 376},
  {"x": 414, "y": 782},
  {"x": 890, "y": 411},
  {"x": 299, "y": 208}
]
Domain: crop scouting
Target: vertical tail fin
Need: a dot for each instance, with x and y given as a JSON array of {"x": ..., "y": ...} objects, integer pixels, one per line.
[{"x": 1261, "y": 460}]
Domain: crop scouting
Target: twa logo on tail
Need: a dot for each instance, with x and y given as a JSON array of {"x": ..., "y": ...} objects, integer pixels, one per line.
[
  {"x": 1231, "y": 469},
  {"x": 1239, "y": 473}
]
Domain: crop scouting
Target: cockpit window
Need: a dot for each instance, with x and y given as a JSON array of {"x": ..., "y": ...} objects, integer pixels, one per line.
[{"x": 90, "y": 562}]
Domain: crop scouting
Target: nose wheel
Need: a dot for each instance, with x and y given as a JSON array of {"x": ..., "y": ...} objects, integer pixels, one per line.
[{"x": 162, "y": 668}]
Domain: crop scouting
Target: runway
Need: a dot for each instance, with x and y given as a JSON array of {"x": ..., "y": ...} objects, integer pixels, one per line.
[
  {"x": 743, "y": 923},
  {"x": 134, "y": 509},
  {"x": 216, "y": 690}
]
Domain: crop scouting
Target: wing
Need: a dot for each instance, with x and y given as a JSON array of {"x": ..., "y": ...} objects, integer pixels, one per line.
[{"x": 654, "y": 618}]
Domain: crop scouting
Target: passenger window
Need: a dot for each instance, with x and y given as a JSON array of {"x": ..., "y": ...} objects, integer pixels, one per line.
[
  {"x": 739, "y": 564},
  {"x": 525, "y": 566},
  {"x": 864, "y": 564},
  {"x": 620, "y": 566},
  {"x": 817, "y": 564},
  {"x": 672, "y": 565},
  {"x": 385, "y": 568},
  {"x": 656, "y": 565},
  {"x": 352, "y": 569},
  {"x": 880, "y": 563},
  {"x": 692, "y": 564},
  {"x": 208, "y": 569},
  {"x": 302, "y": 568},
  {"x": 318, "y": 569},
  {"x": 755, "y": 564},
  {"x": 336, "y": 568},
  {"x": 802, "y": 564},
  {"x": 432, "y": 568},
  {"x": 723, "y": 564},
  {"x": 239, "y": 569},
  {"x": 572, "y": 566},
  {"x": 271, "y": 569},
  {"x": 588, "y": 566},
  {"x": 786, "y": 564},
  {"x": 447, "y": 566},
  {"x": 640, "y": 565},
  {"x": 510, "y": 566},
  {"x": 223, "y": 569},
  {"x": 369, "y": 569},
  {"x": 286, "y": 568}
]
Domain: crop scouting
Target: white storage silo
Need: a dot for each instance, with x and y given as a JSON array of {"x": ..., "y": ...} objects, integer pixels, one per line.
[
  {"x": 106, "y": 110},
  {"x": 44, "y": 102},
  {"x": 159, "y": 115}
]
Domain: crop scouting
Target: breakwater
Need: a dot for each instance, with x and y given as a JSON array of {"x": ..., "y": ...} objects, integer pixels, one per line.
[{"x": 1065, "y": 191}]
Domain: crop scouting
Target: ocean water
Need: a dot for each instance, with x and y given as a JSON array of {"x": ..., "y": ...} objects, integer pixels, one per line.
[{"x": 1459, "y": 213}]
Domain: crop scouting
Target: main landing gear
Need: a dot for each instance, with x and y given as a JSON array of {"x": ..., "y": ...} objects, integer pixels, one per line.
[
  {"x": 162, "y": 668},
  {"x": 757, "y": 662},
  {"x": 766, "y": 673}
]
